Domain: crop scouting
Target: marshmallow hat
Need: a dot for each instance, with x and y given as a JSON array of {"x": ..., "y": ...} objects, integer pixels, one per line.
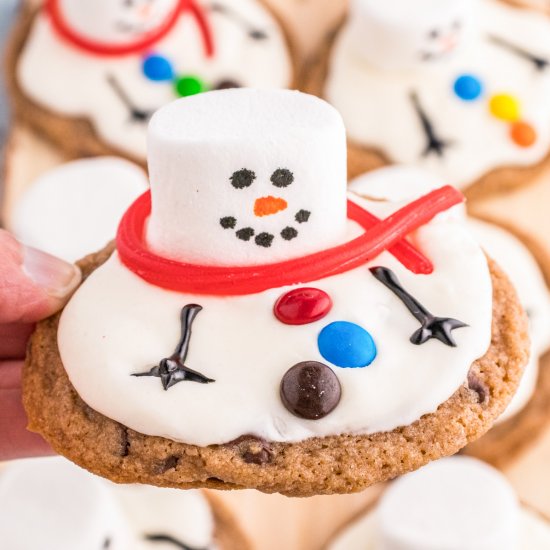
[
  {"x": 238, "y": 179},
  {"x": 114, "y": 21},
  {"x": 407, "y": 34},
  {"x": 49, "y": 504}
]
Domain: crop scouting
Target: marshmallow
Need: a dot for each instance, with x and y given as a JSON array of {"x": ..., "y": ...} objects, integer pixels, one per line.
[
  {"x": 457, "y": 503},
  {"x": 245, "y": 177},
  {"x": 116, "y": 22},
  {"x": 51, "y": 504},
  {"x": 74, "y": 209},
  {"x": 407, "y": 34}
]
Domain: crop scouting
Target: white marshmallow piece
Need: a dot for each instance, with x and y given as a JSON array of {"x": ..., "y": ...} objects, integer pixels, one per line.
[
  {"x": 50, "y": 504},
  {"x": 246, "y": 177},
  {"x": 116, "y": 22},
  {"x": 457, "y": 503},
  {"x": 75, "y": 209},
  {"x": 408, "y": 34}
]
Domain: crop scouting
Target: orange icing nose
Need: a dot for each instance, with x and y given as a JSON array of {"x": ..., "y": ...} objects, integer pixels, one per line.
[{"x": 269, "y": 205}]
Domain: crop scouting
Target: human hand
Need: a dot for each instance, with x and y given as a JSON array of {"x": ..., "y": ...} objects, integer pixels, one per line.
[{"x": 33, "y": 286}]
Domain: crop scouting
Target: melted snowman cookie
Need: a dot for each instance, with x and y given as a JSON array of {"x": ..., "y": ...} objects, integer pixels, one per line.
[
  {"x": 299, "y": 341},
  {"x": 458, "y": 88},
  {"x": 115, "y": 63}
]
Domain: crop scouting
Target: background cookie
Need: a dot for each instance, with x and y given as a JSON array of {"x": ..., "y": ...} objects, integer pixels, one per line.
[
  {"x": 514, "y": 169},
  {"x": 112, "y": 118}
]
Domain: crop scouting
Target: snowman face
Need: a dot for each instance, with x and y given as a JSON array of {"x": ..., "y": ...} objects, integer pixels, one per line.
[
  {"x": 404, "y": 34},
  {"x": 272, "y": 206},
  {"x": 116, "y": 21}
]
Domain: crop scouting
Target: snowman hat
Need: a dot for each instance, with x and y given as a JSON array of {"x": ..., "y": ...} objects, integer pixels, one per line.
[
  {"x": 91, "y": 26},
  {"x": 456, "y": 502},
  {"x": 71, "y": 509},
  {"x": 246, "y": 197}
]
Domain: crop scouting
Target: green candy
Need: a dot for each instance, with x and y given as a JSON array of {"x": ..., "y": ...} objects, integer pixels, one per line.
[{"x": 189, "y": 85}]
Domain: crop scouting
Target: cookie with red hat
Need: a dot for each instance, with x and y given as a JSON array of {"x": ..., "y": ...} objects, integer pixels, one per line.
[
  {"x": 257, "y": 327},
  {"x": 90, "y": 75}
]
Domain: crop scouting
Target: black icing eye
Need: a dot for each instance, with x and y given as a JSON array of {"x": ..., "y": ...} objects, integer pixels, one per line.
[
  {"x": 257, "y": 34},
  {"x": 128, "y": 3},
  {"x": 226, "y": 85},
  {"x": 457, "y": 25},
  {"x": 242, "y": 178},
  {"x": 282, "y": 177},
  {"x": 106, "y": 544},
  {"x": 434, "y": 34}
]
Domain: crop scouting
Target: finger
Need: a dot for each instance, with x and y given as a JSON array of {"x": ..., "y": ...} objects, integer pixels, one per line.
[
  {"x": 13, "y": 340},
  {"x": 33, "y": 284},
  {"x": 15, "y": 440}
]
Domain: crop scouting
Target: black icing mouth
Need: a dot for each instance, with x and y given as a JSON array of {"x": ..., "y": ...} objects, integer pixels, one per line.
[
  {"x": 169, "y": 539},
  {"x": 264, "y": 239}
]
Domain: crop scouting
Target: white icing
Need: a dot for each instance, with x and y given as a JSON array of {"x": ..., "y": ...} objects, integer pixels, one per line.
[
  {"x": 196, "y": 144},
  {"x": 118, "y": 21},
  {"x": 73, "y": 83},
  {"x": 117, "y": 325},
  {"x": 451, "y": 504},
  {"x": 405, "y": 182},
  {"x": 50, "y": 504},
  {"x": 74, "y": 210},
  {"x": 378, "y": 112}
]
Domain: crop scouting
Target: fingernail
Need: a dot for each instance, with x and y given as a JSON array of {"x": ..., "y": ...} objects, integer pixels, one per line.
[{"x": 57, "y": 277}]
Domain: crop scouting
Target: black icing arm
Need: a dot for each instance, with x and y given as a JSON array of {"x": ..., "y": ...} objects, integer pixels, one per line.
[
  {"x": 172, "y": 370},
  {"x": 253, "y": 32},
  {"x": 162, "y": 538},
  {"x": 540, "y": 63},
  {"x": 136, "y": 114},
  {"x": 432, "y": 327},
  {"x": 435, "y": 143}
]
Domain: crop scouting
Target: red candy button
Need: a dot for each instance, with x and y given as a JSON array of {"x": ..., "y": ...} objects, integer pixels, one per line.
[{"x": 302, "y": 306}]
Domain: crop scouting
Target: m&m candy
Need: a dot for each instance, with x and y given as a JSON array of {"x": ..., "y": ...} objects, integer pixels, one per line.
[
  {"x": 523, "y": 134},
  {"x": 505, "y": 107},
  {"x": 468, "y": 87},
  {"x": 346, "y": 345}
]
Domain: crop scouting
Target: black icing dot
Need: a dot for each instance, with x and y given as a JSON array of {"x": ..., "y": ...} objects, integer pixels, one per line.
[
  {"x": 434, "y": 33},
  {"x": 226, "y": 84},
  {"x": 229, "y": 222},
  {"x": 302, "y": 216},
  {"x": 257, "y": 35},
  {"x": 264, "y": 239},
  {"x": 245, "y": 234},
  {"x": 282, "y": 177},
  {"x": 242, "y": 178},
  {"x": 289, "y": 233},
  {"x": 106, "y": 544}
]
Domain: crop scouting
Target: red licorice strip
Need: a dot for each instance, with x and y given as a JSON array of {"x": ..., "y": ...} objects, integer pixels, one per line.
[
  {"x": 104, "y": 49},
  {"x": 234, "y": 281},
  {"x": 403, "y": 250}
]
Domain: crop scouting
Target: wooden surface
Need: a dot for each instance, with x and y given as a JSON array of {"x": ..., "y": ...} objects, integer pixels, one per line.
[{"x": 275, "y": 522}]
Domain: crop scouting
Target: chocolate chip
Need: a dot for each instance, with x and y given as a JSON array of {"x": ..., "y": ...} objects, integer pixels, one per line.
[
  {"x": 310, "y": 390},
  {"x": 245, "y": 234},
  {"x": 282, "y": 177},
  {"x": 164, "y": 465},
  {"x": 302, "y": 216},
  {"x": 242, "y": 178},
  {"x": 477, "y": 386},
  {"x": 229, "y": 222},
  {"x": 226, "y": 85},
  {"x": 289, "y": 233},
  {"x": 124, "y": 442},
  {"x": 264, "y": 239},
  {"x": 253, "y": 450}
]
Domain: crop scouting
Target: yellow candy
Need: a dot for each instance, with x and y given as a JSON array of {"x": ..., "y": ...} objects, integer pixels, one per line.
[{"x": 505, "y": 107}]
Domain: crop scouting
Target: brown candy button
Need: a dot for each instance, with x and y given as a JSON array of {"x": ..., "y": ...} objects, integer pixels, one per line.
[{"x": 310, "y": 390}]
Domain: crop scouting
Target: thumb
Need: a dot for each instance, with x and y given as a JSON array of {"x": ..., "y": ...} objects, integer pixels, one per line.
[{"x": 33, "y": 284}]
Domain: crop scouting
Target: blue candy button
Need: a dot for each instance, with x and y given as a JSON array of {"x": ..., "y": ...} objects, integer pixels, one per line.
[
  {"x": 346, "y": 345},
  {"x": 158, "y": 68},
  {"x": 468, "y": 87}
]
